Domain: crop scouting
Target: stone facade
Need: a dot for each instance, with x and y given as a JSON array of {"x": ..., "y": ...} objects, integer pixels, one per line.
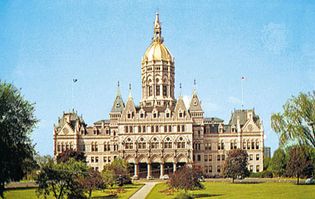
[{"x": 161, "y": 134}]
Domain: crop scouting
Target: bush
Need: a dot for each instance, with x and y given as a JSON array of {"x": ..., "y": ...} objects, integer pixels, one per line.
[
  {"x": 183, "y": 195},
  {"x": 263, "y": 174},
  {"x": 185, "y": 178}
]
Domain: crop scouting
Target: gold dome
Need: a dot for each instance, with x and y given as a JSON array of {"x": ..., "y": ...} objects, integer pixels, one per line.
[{"x": 157, "y": 51}]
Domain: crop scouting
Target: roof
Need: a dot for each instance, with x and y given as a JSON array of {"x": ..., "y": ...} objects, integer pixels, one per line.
[{"x": 213, "y": 119}]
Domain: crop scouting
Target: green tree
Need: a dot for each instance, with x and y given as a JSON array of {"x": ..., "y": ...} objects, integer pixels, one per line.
[
  {"x": 17, "y": 121},
  {"x": 235, "y": 164},
  {"x": 62, "y": 179},
  {"x": 267, "y": 162},
  {"x": 117, "y": 171},
  {"x": 92, "y": 181},
  {"x": 297, "y": 122},
  {"x": 278, "y": 162},
  {"x": 299, "y": 162}
]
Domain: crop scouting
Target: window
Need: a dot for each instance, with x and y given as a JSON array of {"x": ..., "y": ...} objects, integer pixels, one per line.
[
  {"x": 96, "y": 159},
  {"x": 157, "y": 90},
  {"x": 94, "y": 146},
  {"x": 251, "y": 168},
  {"x": 183, "y": 128},
  {"x": 210, "y": 169},
  {"x": 257, "y": 168},
  {"x": 157, "y": 129},
  {"x": 251, "y": 157},
  {"x": 181, "y": 143},
  {"x": 165, "y": 128},
  {"x": 126, "y": 129},
  {"x": 218, "y": 157},
  {"x": 152, "y": 129},
  {"x": 106, "y": 147},
  {"x": 206, "y": 158},
  {"x": 244, "y": 144},
  {"x": 139, "y": 129},
  {"x": 180, "y": 114},
  {"x": 210, "y": 157},
  {"x": 130, "y": 129},
  {"x": 164, "y": 90},
  {"x": 218, "y": 169},
  {"x": 104, "y": 159},
  {"x": 257, "y": 156},
  {"x": 168, "y": 143},
  {"x": 257, "y": 145},
  {"x": 223, "y": 157},
  {"x": 253, "y": 145},
  {"x": 143, "y": 129},
  {"x": 198, "y": 158},
  {"x": 154, "y": 144},
  {"x": 92, "y": 159},
  {"x": 167, "y": 115},
  {"x": 178, "y": 128},
  {"x": 150, "y": 90},
  {"x": 169, "y": 128}
]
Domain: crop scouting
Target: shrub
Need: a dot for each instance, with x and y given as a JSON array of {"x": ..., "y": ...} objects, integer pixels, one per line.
[
  {"x": 183, "y": 195},
  {"x": 185, "y": 178}
]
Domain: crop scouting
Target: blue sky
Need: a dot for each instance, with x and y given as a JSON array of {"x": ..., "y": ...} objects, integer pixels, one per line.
[{"x": 45, "y": 44}]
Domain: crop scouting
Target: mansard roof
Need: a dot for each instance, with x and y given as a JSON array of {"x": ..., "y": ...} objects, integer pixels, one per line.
[{"x": 243, "y": 117}]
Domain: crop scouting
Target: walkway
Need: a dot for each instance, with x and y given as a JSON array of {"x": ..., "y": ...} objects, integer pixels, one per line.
[{"x": 144, "y": 191}]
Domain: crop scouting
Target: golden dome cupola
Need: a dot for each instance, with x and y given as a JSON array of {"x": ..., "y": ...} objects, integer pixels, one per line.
[
  {"x": 157, "y": 72},
  {"x": 157, "y": 51}
]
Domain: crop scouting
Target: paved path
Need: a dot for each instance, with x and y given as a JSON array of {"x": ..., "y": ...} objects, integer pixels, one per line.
[{"x": 144, "y": 191}]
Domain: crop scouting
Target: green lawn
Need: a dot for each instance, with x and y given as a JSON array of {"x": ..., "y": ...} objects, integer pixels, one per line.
[
  {"x": 30, "y": 193},
  {"x": 227, "y": 190}
]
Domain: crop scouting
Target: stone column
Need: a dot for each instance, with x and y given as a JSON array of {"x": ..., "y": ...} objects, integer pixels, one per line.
[
  {"x": 161, "y": 170},
  {"x": 149, "y": 176},
  {"x": 136, "y": 176},
  {"x": 174, "y": 167}
]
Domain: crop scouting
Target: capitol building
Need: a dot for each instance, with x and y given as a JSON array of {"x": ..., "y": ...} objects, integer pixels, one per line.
[{"x": 160, "y": 134}]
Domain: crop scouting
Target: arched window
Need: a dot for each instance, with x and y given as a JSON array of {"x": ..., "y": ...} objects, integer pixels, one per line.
[
  {"x": 129, "y": 144},
  {"x": 167, "y": 143},
  {"x": 141, "y": 143},
  {"x": 180, "y": 143},
  {"x": 257, "y": 144},
  {"x": 154, "y": 143}
]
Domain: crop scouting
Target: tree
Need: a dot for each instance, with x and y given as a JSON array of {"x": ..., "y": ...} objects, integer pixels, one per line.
[
  {"x": 278, "y": 162},
  {"x": 93, "y": 180},
  {"x": 297, "y": 122},
  {"x": 299, "y": 162},
  {"x": 17, "y": 121},
  {"x": 235, "y": 164},
  {"x": 62, "y": 179},
  {"x": 185, "y": 178},
  {"x": 267, "y": 162},
  {"x": 70, "y": 153},
  {"x": 117, "y": 171}
]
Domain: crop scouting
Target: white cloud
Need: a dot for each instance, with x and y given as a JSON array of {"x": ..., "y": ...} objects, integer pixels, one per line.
[
  {"x": 274, "y": 37},
  {"x": 234, "y": 100}
]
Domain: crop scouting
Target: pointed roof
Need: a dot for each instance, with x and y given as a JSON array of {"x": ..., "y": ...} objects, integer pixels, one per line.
[
  {"x": 118, "y": 105},
  {"x": 180, "y": 104},
  {"x": 195, "y": 104}
]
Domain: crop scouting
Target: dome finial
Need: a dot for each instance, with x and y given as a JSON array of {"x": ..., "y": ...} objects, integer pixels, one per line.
[{"x": 157, "y": 28}]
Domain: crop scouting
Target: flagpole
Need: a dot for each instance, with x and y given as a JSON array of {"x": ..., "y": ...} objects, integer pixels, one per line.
[{"x": 242, "y": 79}]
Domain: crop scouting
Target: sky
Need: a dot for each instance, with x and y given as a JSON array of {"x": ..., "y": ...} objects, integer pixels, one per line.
[{"x": 44, "y": 45}]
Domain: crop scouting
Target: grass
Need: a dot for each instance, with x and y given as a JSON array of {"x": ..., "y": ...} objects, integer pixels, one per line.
[
  {"x": 227, "y": 190},
  {"x": 128, "y": 190}
]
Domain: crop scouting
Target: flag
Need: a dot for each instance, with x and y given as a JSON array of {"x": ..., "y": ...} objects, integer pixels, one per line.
[{"x": 75, "y": 80}]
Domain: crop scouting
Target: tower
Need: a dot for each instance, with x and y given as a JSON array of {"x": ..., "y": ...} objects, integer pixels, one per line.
[{"x": 157, "y": 72}]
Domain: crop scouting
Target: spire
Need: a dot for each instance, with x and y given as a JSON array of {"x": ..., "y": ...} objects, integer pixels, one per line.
[
  {"x": 195, "y": 88},
  {"x": 157, "y": 29},
  {"x": 180, "y": 89},
  {"x": 129, "y": 96},
  {"x": 118, "y": 90}
]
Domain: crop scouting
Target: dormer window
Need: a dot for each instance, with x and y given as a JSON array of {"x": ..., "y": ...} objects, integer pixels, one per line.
[
  {"x": 167, "y": 115},
  {"x": 180, "y": 114},
  {"x": 141, "y": 115},
  {"x": 154, "y": 115}
]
